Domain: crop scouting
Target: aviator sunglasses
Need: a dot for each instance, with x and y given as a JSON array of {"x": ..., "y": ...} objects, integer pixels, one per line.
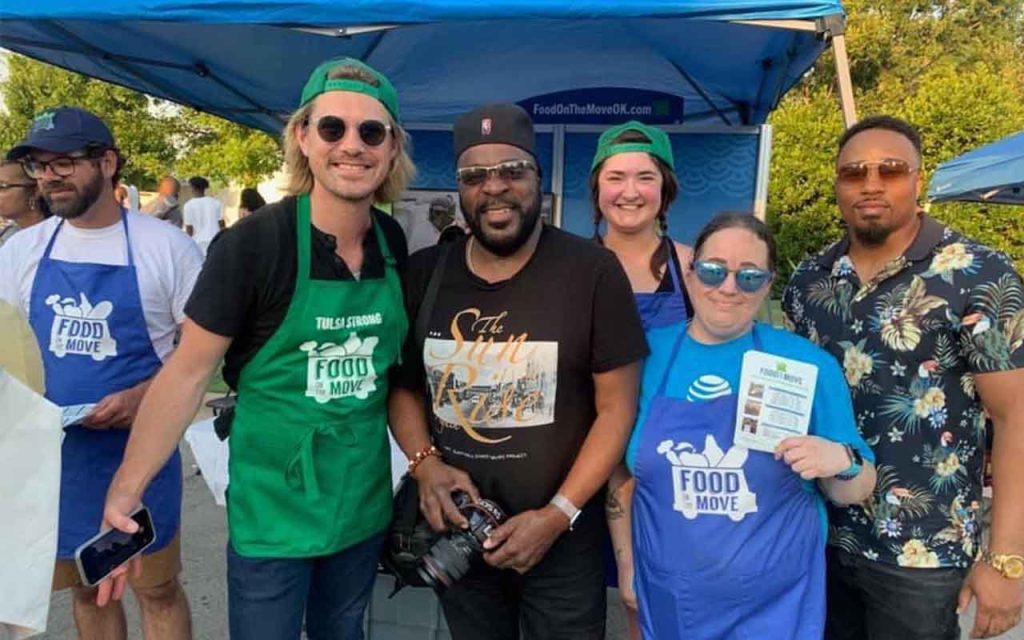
[
  {"x": 332, "y": 128},
  {"x": 507, "y": 171},
  {"x": 890, "y": 169},
  {"x": 748, "y": 279}
]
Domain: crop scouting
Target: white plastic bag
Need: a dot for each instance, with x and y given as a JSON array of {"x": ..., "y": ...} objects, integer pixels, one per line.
[{"x": 30, "y": 439}]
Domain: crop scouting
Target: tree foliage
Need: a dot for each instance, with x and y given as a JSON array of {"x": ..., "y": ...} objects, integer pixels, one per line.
[
  {"x": 954, "y": 68},
  {"x": 155, "y": 137}
]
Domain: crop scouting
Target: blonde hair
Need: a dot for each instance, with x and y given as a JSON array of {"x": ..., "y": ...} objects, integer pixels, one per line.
[{"x": 299, "y": 176}]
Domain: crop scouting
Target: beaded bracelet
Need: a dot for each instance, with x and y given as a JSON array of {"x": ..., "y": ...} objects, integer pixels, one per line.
[{"x": 421, "y": 456}]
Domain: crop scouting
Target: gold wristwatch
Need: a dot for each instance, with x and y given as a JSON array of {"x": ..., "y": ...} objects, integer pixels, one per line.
[{"x": 1008, "y": 564}]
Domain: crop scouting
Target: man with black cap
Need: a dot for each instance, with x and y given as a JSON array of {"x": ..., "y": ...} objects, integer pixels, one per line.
[
  {"x": 303, "y": 302},
  {"x": 104, "y": 290},
  {"x": 529, "y": 358}
]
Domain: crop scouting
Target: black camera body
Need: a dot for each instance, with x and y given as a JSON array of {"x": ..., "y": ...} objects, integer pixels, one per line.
[
  {"x": 454, "y": 552},
  {"x": 418, "y": 556}
]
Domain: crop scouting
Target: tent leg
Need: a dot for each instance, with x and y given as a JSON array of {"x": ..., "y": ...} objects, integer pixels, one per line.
[{"x": 844, "y": 81}]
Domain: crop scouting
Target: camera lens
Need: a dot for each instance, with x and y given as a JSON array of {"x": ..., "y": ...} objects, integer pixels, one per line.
[{"x": 452, "y": 555}]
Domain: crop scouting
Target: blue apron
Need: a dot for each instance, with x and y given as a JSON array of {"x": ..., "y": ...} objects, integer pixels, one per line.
[
  {"x": 657, "y": 309},
  {"x": 89, "y": 323},
  {"x": 662, "y": 308},
  {"x": 727, "y": 543}
]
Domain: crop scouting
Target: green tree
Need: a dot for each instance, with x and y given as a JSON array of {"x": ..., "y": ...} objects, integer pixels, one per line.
[
  {"x": 955, "y": 68},
  {"x": 225, "y": 152},
  {"x": 156, "y": 137},
  {"x": 141, "y": 136}
]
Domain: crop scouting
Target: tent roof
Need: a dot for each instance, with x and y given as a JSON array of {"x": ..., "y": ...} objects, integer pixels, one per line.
[
  {"x": 246, "y": 60},
  {"x": 993, "y": 173}
]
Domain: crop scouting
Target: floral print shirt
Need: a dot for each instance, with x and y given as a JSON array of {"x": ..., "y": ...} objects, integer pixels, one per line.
[{"x": 910, "y": 342}]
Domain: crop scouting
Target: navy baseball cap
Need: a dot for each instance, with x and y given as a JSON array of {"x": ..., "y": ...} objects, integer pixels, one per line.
[{"x": 63, "y": 130}]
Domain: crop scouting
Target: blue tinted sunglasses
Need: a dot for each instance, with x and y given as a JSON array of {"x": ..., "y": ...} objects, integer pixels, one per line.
[{"x": 748, "y": 279}]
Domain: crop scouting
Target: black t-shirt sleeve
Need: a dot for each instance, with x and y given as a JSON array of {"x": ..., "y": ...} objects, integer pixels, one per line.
[
  {"x": 225, "y": 291},
  {"x": 617, "y": 334}
]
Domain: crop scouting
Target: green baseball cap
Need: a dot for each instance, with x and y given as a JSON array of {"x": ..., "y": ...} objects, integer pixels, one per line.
[
  {"x": 320, "y": 82},
  {"x": 659, "y": 145}
]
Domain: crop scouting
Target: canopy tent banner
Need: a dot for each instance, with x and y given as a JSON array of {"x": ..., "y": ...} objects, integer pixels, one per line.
[
  {"x": 247, "y": 60},
  {"x": 993, "y": 173}
]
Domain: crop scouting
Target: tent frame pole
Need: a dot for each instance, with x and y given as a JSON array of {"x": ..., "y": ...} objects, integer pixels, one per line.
[
  {"x": 831, "y": 29},
  {"x": 844, "y": 81}
]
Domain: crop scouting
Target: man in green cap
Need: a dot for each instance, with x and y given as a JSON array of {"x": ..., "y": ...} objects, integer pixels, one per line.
[{"x": 303, "y": 302}]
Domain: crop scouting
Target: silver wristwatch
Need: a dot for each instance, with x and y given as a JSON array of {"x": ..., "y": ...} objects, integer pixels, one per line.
[{"x": 564, "y": 505}]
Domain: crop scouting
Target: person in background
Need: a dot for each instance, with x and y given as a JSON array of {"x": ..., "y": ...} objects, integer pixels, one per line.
[
  {"x": 121, "y": 195},
  {"x": 249, "y": 201},
  {"x": 203, "y": 215},
  {"x": 20, "y": 204},
  {"x": 729, "y": 540},
  {"x": 166, "y": 206},
  {"x": 632, "y": 186}
]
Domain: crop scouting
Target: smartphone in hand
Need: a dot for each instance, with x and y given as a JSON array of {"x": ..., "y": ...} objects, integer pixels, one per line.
[{"x": 100, "y": 555}]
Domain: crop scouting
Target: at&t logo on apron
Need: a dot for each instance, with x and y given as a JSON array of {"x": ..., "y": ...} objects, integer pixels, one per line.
[
  {"x": 81, "y": 329},
  {"x": 710, "y": 482},
  {"x": 340, "y": 370}
]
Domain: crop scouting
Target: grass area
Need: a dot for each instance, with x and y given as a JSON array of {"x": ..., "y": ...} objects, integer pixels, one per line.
[{"x": 217, "y": 384}]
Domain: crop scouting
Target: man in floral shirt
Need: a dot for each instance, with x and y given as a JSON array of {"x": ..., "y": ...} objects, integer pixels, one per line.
[{"x": 929, "y": 328}]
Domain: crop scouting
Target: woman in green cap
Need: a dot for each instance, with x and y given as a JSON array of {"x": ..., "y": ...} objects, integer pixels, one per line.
[{"x": 632, "y": 185}]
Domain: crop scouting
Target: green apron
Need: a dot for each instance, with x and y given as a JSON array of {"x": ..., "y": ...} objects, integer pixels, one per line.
[{"x": 310, "y": 468}]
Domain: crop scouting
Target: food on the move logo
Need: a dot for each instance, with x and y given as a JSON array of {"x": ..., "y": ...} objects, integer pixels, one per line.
[
  {"x": 711, "y": 482},
  {"x": 79, "y": 328},
  {"x": 340, "y": 370}
]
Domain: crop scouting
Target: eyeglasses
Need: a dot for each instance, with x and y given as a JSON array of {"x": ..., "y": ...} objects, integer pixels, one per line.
[
  {"x": 61, "y": 167},
  {"x": 510, "y": 171},
  {"x": 889, "y": 170},
  {"x": 332, "y": 128},
  {"x": 748, "y": 279},
  {"x": 4, "y": 186}
]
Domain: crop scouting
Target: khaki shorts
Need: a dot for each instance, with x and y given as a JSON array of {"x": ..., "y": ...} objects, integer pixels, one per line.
[{"x": 157, "y": 569}]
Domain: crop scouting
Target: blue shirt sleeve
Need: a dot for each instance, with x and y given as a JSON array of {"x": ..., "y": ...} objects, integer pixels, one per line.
[{"x": 832, "y": 412}]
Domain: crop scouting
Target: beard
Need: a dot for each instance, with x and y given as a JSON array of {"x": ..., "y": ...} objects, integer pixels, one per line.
[
  {"x": 501, "y": 245},
  {"x": 82, "y": 202},
  {"x": 873, "y": 235}
]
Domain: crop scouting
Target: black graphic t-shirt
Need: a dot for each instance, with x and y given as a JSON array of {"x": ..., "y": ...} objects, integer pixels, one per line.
[{"x": 509, "y": 365}]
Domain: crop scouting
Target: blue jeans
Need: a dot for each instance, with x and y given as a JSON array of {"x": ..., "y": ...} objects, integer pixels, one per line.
[{"x": 268, "y": 596}]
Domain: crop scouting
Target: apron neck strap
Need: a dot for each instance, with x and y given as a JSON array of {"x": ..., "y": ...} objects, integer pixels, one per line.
[
  {"x": 304, "y": 237},
  {"x": 127, "y": 238},
  {"x": 673, "y": 267}
]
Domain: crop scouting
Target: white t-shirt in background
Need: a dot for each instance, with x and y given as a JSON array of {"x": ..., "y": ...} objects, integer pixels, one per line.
[
  {"x": 167, "y": 263},
  {"x": 203, "y": 215}
]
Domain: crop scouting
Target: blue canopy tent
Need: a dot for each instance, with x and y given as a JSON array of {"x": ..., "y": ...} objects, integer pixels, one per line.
[
  {"x": 716, "y": 68},
  {"x": 993, "y": 173}
]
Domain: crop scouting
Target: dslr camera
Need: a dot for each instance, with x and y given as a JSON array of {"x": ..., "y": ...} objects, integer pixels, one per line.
[
  {"x": 416, "y": 555},
  {"x": 453, "y": 553}
]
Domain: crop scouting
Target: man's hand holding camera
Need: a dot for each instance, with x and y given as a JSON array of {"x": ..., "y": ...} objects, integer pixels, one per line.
[
  {"x": 521, "y": 542},
  {"x": 437, "y": 481}
]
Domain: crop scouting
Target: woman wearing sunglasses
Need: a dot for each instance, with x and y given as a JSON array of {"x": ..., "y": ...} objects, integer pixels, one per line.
[
  {"x": 729, "y": 539},
  {"x": 632, "y": 185}
]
